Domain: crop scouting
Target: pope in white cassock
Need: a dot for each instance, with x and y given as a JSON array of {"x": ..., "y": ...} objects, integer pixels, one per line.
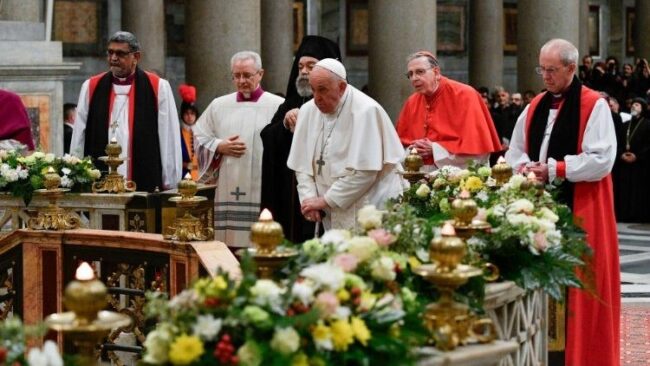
[
  {"x": 345, "y": 150},
  {"x": 230, "y": 149}
]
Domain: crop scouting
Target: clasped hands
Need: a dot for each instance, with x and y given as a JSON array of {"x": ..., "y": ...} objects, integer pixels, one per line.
[
  {"x": 311, "y": 208},
  {"x": 423, "y": 146},
  {"x": 232, "y": 146},
  {"x": 539, "y": 169}
]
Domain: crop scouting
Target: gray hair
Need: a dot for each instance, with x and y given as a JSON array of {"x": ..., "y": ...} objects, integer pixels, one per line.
[
  {"x": 433, "y": 62},
  {"x": 568, "y": 52},
  {"x": 126, "y": 37},
  {"x": 247, "y": 55}
]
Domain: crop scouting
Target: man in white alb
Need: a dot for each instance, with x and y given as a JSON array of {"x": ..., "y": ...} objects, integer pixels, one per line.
[
  {"x": 345, "y": 150},
  {"x": 230, "y": 148}
]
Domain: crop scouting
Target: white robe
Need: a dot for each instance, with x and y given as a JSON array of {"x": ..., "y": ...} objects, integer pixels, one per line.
[
  {"x": 361, "y": 157},
  {"x": 168, "y": 130},
  {"x": 598, "y": 146},
  {"x": 239, "y": 184}
]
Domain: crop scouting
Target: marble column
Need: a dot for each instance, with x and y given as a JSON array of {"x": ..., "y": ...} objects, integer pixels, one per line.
[
  {"x": 616, "y": 44},
  {"x": 539, "y": 22},
  {"x": 217, "y": 30},
  {"x": 583, "y": 46},
  {"x": 642, "y": 46},
  {"x": 146, "y": 20},
  {"x": 486, "y": 44},
  {"x": 21, "y": 10},
  {"x": 391, "y": 39},
  {"x": 277, "y": 43}
]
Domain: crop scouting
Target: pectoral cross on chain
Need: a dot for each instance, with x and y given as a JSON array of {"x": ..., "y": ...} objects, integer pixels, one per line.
[
  {"x": 320, "y": 162},
  {"x": 114, "y": 126}
]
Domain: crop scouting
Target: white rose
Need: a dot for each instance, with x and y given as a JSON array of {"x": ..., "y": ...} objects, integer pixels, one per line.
[
  {"x": 66, "y": 171},
  {"x": 383, "y": 269},
  {"x": 516, "y": 180},
  {"x": 362, "y": 247},
  {"x": 423, "y": 190},
  {"x": 285, "y": 340},
  {"x": 49, "y": 157},
  {"x": 94, "y": 173},
  {"x": 548, "y": 214},
  {"x": 66, "y": 182},
  {"x": 303, "y": 291},
  {"x": 267, "y": 293},
  {"x": 521, "y": 205},
  {"x": 157, "y": 345},
  {"x": 38, "y": 155},
  {"x": 207, "y": 327},
  {"x": 519, "y": 219},
  {"x": 325, "y": 275},
  {"x": 369, "y": 217},
  {"x": 335, "y": 237}
]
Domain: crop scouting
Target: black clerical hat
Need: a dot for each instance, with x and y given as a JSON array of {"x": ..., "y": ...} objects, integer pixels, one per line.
[{"x": 317, "y": 47}]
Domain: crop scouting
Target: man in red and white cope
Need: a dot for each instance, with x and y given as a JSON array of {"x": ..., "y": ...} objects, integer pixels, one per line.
[{"x": 567, "y": 133}]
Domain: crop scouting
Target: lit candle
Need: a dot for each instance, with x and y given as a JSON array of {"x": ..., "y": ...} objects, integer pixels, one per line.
[
  {"x": 448, "y": 230},
  {"x": 188, "y": 176},
  {"x": 84, "y": 272},
  {"x": 50, "y": 170},
  {"x": 414, "y": 151},
  {"x": 266, "y": 215},
  {"x": 113, "y": 140},
  {"x": 531, "y": 177},
  {"x": 501, "y": 160}
]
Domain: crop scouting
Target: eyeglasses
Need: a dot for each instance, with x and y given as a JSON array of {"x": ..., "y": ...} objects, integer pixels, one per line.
[
  {"x": 244, "y": 75},
  {"x": 118, "y": 53},
  {"x": 540, "y": 70},
  {"x": 419, "y": 73}
]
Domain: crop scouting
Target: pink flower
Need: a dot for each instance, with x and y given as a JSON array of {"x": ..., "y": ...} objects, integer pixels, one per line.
[
  {"x": 347, "y": 262},
  {"x": 540, "y": 241},
  {"x": 327, "y": 303},
  {"x": 382, "y": 237}
]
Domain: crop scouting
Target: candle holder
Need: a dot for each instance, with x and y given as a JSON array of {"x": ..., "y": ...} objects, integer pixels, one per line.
[
  {"x": 413, "y": 162},
  {"x": 187, "y": 227},
  {"x": 53, "y": 217},
  {"x": 266, "y": 235},
  {"x": 86, "y": 324},
  {"x": 501, "y": 172},
  {"x": 114, "y": 182},
  {"x": 450, "y": 323}
]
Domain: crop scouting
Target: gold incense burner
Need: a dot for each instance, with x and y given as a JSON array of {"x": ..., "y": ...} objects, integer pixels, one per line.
[
  {"x": 266, "y": 236},
  {"x": 114, "y": 182},
  {"x": 501, "y": 171},
  {"x": 187, "y": 227},
  {"x": 412, "y": 163},
  {"x": 53, "y": 217},
  {"x": 86, "y": 324},
  {"x": 449, "y": 322}
]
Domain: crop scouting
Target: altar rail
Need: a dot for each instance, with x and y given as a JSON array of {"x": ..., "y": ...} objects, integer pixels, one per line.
[{"x": 35, "y": 266}]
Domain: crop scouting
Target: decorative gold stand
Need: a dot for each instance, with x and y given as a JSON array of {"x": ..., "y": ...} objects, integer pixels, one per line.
[
  {"x": 114, "y": 182},
  {"x": 413, "y": 163},
  {"x": 86, "y": 324},
  {"x": 464, "y": 209},
  {"x": 501, "y": 171},
  {"x": 53, "y": 217},
  {"x": 266, "y": 235},
  {"x": 187, "y": 227},
  {"x": 449, "y": 322}
]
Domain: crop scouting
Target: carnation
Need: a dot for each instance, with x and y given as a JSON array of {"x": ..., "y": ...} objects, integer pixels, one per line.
[
  {"x": 382, "y": 237},
  {"x": 327, "y": 303},
  {"x": 347, "y": 262},
  {"x": 285, "y": 340},
  {"x": 369, "y": 217}
]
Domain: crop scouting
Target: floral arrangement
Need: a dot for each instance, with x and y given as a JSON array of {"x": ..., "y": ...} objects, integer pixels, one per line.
[
  {"x": 533, "y": 239},
  {"x": 340, "y": 302},
  {"x": 22, "y": 175},
  {"x": 13, "y": 335}
]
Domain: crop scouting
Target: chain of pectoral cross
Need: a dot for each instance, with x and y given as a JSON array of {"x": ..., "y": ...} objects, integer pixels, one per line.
[
  {"x": 325, "y": 140},
  {"x": 115, "y": 122}
]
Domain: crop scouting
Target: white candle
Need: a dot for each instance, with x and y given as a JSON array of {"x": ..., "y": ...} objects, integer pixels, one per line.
[
  {"x": 448, "y": 230},
  {"x": 113, "y": 140},
  {"x": 414, "y": 151},
  {"x": 188, "y": 176},
  {"x": 501, "y": 160},
  {"x": 531, "y": 177},
  {"x": 84, "y": 272},
  {"x": 266, "y": 215}
]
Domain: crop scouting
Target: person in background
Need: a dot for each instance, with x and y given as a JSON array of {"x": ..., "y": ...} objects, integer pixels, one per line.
[
  {"x": 189, "y": 115},
  {"x": 69, "y": 114}
]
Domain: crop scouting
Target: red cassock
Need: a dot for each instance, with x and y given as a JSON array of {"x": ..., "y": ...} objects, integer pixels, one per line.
[
  {"x": 593, "y": 319},
  {"x": 454, "y": 116},
  {"x": 14, "y": 121}
]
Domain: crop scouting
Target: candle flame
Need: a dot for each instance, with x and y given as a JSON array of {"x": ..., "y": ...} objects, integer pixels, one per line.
[
  {"x": 414, "y": 151},
  {"x": 266, "y": 215},
  {"x": 448, "y": 229},
  {"x": 501, "y": 160},
  {"x": 84, "y": 272},
  {"x": 51, "y": 170},
  {"x": 188, "y": 176},
  {"x": 531, "y": 176},
  {"x": 113, "y": 140}
]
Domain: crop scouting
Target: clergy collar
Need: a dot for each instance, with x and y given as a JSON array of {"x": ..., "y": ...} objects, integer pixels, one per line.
[
  {"x": 254, "y": 97},
  {"x": 123, "y": 81}
]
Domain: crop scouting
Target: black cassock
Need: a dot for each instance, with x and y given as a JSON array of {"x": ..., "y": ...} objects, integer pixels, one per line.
[
  {"x": 279, "y": 193},
  {"x": 631, "y": 194}
]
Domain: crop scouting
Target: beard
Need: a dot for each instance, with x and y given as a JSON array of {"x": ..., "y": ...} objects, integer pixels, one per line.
[{"x": 303, "y": 87}]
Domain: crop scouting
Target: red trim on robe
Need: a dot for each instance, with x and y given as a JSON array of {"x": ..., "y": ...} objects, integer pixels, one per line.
[
  {"x": 92, "y": 85},
  {"x": 560, "y": 169},
  {"x": 593, "y": 322},
  {"x": 457, "y": 118}
]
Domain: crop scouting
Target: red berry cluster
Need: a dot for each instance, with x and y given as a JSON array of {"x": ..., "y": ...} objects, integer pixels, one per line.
[
  {"x": 211, "y": 302},
  {"x": 355, "y": 292},
  {"x": 297, "y": 308},
  {"x": 3, "y": 355},
  {"x": 224, "y": 351}
]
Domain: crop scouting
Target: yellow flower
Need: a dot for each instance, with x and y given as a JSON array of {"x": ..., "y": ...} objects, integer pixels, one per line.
[
  {"x": 185, "y": 350},
  {"x": 300, "y": 360},
  {"x": 322, "y": 335},
  {"x": 414, "y": 262},
  {"x": 361, "y": 331},
  {"x": 342, "y": 335},
  {"x": 343, "y": 295},
  {"x": 395, "y": 330},
  {"x": 220, "y": 283},
  {"x": 473, "y": 184}
]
